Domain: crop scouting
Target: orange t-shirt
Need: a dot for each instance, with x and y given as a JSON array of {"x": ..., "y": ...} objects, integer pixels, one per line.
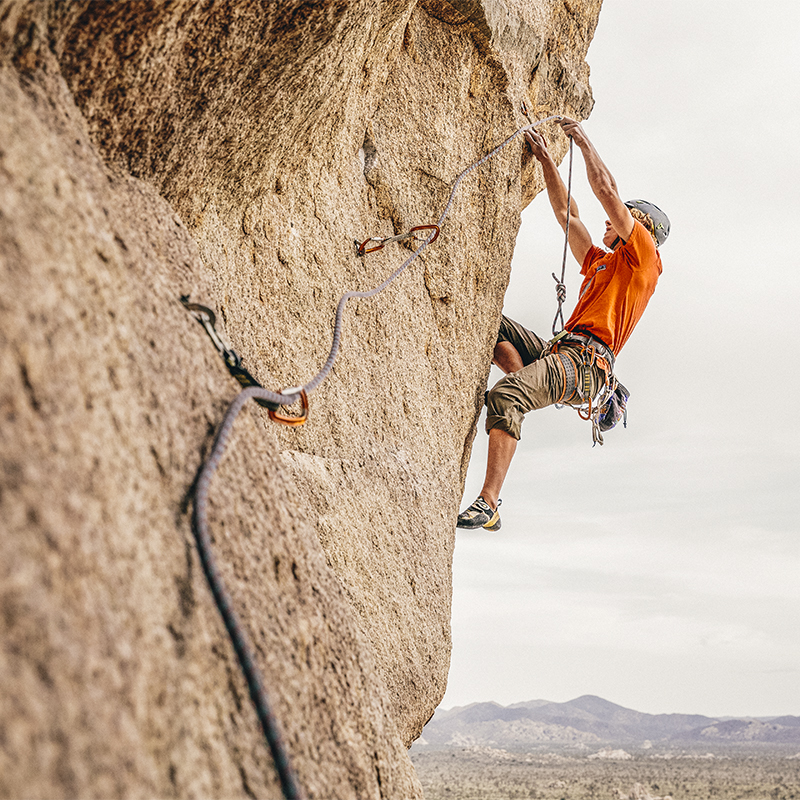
[{"x": 616, "y": 289}]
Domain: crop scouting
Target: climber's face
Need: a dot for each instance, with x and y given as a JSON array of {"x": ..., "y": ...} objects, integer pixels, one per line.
[{"x": 610, "y": 236}]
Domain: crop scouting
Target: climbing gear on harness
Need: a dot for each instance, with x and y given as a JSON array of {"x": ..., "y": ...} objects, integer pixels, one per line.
[
  {"x": 614, "y": 409},
  {"x": 591, "y": 351},
  {"x": 570, "y": 377},
  {"x": 363, "y": 247},
  {"x": 480, "y": 515},
  {"x": 660, "y": 219},
  {"x": 273, "y": 400}
]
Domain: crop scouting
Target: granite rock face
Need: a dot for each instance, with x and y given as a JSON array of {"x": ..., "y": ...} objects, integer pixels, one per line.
[{"x": 233, "y": 152}]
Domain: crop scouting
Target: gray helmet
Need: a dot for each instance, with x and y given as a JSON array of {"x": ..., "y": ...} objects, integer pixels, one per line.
[{"x": 660, "y": 219}]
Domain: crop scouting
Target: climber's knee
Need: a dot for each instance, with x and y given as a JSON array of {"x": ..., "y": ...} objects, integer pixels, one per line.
[
  {"x": 503, "y": 411},
  {"x": 507, "y": 357},
  {"x": 534, "y": 386}
]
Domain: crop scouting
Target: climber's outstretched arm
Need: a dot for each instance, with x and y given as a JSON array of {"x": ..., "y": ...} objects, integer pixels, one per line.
[
  {"x": 579, "y": 239},
  {"x": 601, "y": 180}
]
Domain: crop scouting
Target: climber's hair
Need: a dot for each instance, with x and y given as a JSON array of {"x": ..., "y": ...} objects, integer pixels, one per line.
[{"x": 646, "y": 220}]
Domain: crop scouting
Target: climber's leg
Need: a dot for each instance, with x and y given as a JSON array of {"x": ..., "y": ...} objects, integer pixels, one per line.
[
  {"x": 502, "y": 447},
  {"x": 507, "y": 357},
  {"x": 528, "y": 346},
  {"x": 539, "y": 384}
]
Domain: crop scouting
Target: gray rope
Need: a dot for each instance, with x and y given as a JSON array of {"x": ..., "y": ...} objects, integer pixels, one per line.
[
  {"x": 561, "y": 287},
  {"x": 241, "y": 645},
  {"x": 244, "y": 650},
  {"x": 286, "y": 398}
]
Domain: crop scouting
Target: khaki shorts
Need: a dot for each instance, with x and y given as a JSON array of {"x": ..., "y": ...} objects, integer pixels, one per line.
[{"x": 539, "y": 383}]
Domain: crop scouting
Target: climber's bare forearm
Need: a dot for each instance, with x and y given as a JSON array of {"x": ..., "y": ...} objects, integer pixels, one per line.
[
  {"x": 579, "y": 239},
  {"x": 557, "y": 191},
  {"x": 601, "y": 181}
]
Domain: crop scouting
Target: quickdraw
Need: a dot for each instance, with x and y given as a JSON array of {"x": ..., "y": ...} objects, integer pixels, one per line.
[
  {"x": 208, "y": 319},
  {"x": 365, "y": 247},
  {"x": 273, "y": 400}
]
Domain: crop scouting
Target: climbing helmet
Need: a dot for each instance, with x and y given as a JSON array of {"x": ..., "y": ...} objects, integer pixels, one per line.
[{"x": 660, "y": 219}]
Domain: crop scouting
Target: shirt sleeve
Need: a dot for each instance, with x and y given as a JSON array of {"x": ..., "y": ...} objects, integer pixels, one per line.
[
  {"x": 640, "y": 249},
  {"x": 595, "y": 253}
]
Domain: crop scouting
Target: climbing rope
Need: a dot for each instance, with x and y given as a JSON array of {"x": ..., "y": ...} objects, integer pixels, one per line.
[
  {"x": 337, "y": 328},
  {"x": 289, "y": 396},
  {"x": 241, "y": 645},
  {"x": 561, "y": 287},
  {"x": 273, "y": 400}
]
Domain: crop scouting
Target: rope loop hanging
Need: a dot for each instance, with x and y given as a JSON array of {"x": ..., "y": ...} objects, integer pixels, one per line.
[{"x": 561, "y": 288}]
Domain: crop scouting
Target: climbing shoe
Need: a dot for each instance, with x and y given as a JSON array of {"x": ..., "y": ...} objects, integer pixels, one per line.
[{"x": 480, "y": 515}]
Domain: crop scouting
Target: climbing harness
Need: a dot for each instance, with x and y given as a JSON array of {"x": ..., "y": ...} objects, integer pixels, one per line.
[
  {"x": 595, "y": 408},
  {"x": 252, "y": 390}
]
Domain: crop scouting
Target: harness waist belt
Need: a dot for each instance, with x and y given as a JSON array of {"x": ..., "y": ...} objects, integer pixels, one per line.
[{"x": 591, "y": 341}]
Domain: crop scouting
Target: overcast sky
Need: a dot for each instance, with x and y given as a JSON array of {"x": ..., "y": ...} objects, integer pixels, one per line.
[{"x": 662, "y": 571}]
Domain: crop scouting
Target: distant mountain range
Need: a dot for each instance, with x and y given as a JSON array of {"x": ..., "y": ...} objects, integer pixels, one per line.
[{"x": 591, "y": 720}]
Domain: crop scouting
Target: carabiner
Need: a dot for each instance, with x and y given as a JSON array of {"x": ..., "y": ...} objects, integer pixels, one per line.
[
  {"x": 206, "y": 317},
  {"x": 286, "y": 419},
  {"x": 434, "y": 228},
  {"x": 362, "y": 248}
]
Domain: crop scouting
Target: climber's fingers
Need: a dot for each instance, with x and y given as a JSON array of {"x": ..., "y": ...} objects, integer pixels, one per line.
[
  {"x": 573, "y": 128},
  {"x": 536, "y": 141}
]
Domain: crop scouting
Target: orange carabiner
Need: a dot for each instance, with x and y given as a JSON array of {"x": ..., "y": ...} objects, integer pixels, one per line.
[
  {"x": 292, "y": 422},
  {"x": 363, "y": 249},
  {"x": 434, "y": 228}
]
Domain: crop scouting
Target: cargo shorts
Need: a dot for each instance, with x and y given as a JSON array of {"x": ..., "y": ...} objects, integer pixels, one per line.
[{"x": 539, "y": 383}]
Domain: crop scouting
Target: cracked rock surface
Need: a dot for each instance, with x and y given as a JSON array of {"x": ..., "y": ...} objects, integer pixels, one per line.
[{"x": 233, "y": 152}]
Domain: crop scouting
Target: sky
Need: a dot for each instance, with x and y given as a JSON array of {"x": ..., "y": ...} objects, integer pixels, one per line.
[{"x": 662, "y": 570}]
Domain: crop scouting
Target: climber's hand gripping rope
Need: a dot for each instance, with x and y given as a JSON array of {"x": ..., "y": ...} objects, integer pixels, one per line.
[{"x": 537, "y": 142}]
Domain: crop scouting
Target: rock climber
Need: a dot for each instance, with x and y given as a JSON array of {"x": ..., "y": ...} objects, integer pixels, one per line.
[{"x": 617, "y": 285}]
